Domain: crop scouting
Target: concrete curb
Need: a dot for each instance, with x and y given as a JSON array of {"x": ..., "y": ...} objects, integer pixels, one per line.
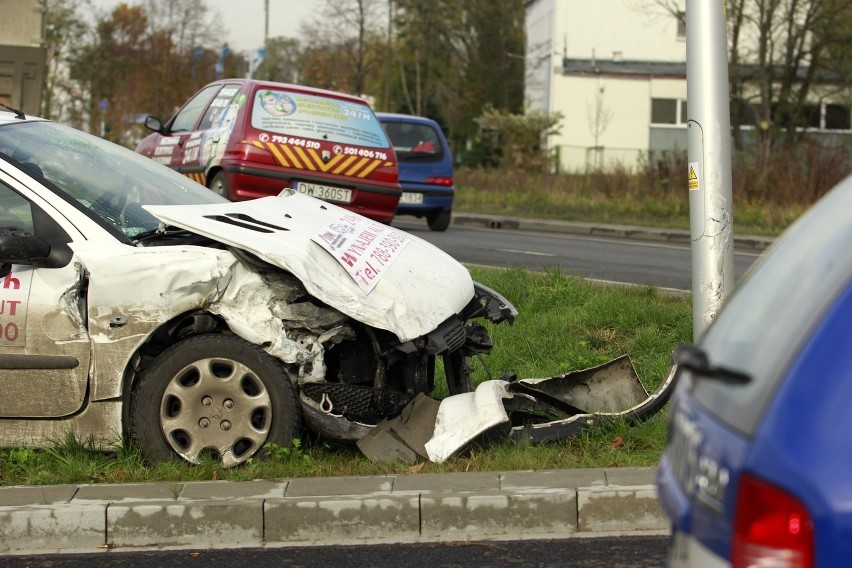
[
  {"x": 750, "y": 242},
  {"x": 345, "y": 510}
]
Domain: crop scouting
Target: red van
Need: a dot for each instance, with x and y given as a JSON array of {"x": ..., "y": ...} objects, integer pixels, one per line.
[{"x": 246, "y": 139}]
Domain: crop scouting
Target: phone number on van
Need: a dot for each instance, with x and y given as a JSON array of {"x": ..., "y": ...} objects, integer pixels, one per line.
[
  {"x": 301, "y": 142},
  {"x": 365, "y": 153},
  {"x": 327, "y": 192}
]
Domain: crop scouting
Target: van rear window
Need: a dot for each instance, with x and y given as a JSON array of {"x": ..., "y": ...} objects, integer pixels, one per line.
[{"x": 319, "y": 118}]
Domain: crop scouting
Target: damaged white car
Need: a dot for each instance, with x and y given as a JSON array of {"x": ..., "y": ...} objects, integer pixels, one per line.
[{"x": 135, "y": 302}]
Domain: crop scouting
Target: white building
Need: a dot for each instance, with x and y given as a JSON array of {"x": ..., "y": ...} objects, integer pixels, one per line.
[
  {"x": 22, "y": 54},
  {"x": 616, "y": 70}
]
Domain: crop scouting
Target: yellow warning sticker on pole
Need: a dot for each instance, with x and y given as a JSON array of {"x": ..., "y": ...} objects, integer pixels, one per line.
[{"x": 694, "y": 172}]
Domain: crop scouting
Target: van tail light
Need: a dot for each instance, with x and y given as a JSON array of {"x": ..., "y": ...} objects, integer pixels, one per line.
[
  {"x": 771, "y": 528},
  {"x": 444, "y": 181}
]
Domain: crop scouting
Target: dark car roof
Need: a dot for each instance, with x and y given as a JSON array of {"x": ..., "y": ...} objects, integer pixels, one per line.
[{"x": 394, "y": 117}]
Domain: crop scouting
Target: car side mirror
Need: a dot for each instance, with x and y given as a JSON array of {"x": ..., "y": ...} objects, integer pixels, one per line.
[
  {"x": 18, "y": 246},
  {"x": 154, "y": 123}
]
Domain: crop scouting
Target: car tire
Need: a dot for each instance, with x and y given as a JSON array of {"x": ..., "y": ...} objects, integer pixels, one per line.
[
  {"x": 439, "y": 221},
  {"x": 219, "y": 185},
  {"x": 216, "y": 396}
]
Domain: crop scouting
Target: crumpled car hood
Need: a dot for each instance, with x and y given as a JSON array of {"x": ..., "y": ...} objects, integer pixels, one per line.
[{"x": 374, "y": 273}]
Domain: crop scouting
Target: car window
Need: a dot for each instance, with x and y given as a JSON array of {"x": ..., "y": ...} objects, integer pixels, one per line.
[
  {"x": 220, "y": 104},
  {"x": 187, "y": 117},
  {"x": 108, "y": 180},
  {"x": 15, "y": 211},
  {"x": 414, "y": 139},
  {"x": 302, "y": 116},
  {"x": 767, "y": 320}
]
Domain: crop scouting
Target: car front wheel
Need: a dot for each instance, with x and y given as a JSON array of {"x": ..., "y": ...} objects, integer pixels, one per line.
[{"x": 216, "y": 396}]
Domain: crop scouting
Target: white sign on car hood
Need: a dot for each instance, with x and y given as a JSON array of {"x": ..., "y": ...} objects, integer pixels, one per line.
[{"x": 423, "y": 287}]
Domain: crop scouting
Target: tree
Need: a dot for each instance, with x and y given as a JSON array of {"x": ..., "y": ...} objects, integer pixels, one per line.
[
  {"x": 454, "y": 57},
  {"x": 783, "y": 55},
  {"x": 146, "y": 58},
  {"x": 346, "y": 38},
  {"x": 428, "y": 60},
  {"x": 282, "y": 61},
  {"x": 517, "y": 141},
  {"x": 65, "y": 32},
  {"x": 599, "y": 117}
]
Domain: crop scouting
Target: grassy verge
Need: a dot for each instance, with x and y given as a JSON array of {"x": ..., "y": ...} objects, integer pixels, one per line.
[
  {"x": 565, "y": 324},
  {"x": 615, "y": 197}
]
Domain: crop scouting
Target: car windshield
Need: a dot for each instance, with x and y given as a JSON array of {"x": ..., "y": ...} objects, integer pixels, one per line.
[{"x": 107, "y": 179}]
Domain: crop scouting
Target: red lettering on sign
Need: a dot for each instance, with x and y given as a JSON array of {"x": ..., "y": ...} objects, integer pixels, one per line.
[
  {"x": 10, "y": 332},
  {"x": 11, "y": 282},
  {"x": 13, "y": 306}
]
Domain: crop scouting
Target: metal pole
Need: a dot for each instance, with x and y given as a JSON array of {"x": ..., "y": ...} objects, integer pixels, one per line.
[
  {"x": 709, "y": 131},
  {"x": 266, "y": 23}
]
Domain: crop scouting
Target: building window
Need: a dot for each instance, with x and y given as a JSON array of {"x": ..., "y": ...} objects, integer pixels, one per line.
[
  {"x": 837, "y": 117},
  {"x": 810, "y": 116},
  {"x": 668, "y": 111},
  {"x": 681, "y": 25}
]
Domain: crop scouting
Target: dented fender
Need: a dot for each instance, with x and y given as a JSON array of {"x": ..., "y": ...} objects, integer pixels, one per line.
[{"x": 133, "y": 291}]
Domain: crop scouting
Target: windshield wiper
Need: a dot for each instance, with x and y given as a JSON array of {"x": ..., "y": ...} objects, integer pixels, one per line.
[
  {"x": 161, "y": 232},
  {"x": 695, "y": 359}
]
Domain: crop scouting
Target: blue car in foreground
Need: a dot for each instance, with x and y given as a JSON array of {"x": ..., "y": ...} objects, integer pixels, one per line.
[
  {"x": 425, "y": 168},
  {"x": 758, "y": 466}
]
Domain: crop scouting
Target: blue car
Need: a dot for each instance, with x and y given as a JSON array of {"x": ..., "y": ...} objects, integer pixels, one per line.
[
  {"x": 758, "y": 466},
  {"x": 425, "y": 168}
]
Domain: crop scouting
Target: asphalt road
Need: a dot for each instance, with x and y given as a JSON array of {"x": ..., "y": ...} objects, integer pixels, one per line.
[
  {"x": 596, "y": 552},
  {"x": 612, "y": 259}
]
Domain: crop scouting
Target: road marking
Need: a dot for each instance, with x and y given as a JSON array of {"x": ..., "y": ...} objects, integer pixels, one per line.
[{"x": 529, "y": 252}]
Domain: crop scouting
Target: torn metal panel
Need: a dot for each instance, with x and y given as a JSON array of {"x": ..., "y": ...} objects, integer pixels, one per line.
[
  {"x": 403, "y": 438},
  {"x": 619, "y": 406},
  {"x": 248, "y": 303},
  {"x": 463, "y": 417},
  {"x": 535, "y": 410},
  {"x": 611, "y": 387}
]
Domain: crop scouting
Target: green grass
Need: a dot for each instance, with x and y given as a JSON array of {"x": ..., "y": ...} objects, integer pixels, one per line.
[{"x": 565, "y": 324}]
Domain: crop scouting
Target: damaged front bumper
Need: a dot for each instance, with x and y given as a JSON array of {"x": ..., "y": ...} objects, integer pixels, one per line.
[
  {"x": 535, "y": 410},
  {"x": 342, "y": 410}
]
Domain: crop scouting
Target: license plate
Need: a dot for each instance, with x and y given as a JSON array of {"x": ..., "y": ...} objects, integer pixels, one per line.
[
  {"x": 326, "y": 192},
  {"x": 411, "y": 197}
]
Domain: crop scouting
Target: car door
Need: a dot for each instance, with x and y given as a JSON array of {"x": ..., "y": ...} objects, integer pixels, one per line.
[
  {"x": 181, "y": 133},
  {"x": 45, "y": 349},
  {"x": 201, "y": 131}
]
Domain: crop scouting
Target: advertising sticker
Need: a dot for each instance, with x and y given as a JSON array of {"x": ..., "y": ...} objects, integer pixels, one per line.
[{"x": 365, "y": 248}]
